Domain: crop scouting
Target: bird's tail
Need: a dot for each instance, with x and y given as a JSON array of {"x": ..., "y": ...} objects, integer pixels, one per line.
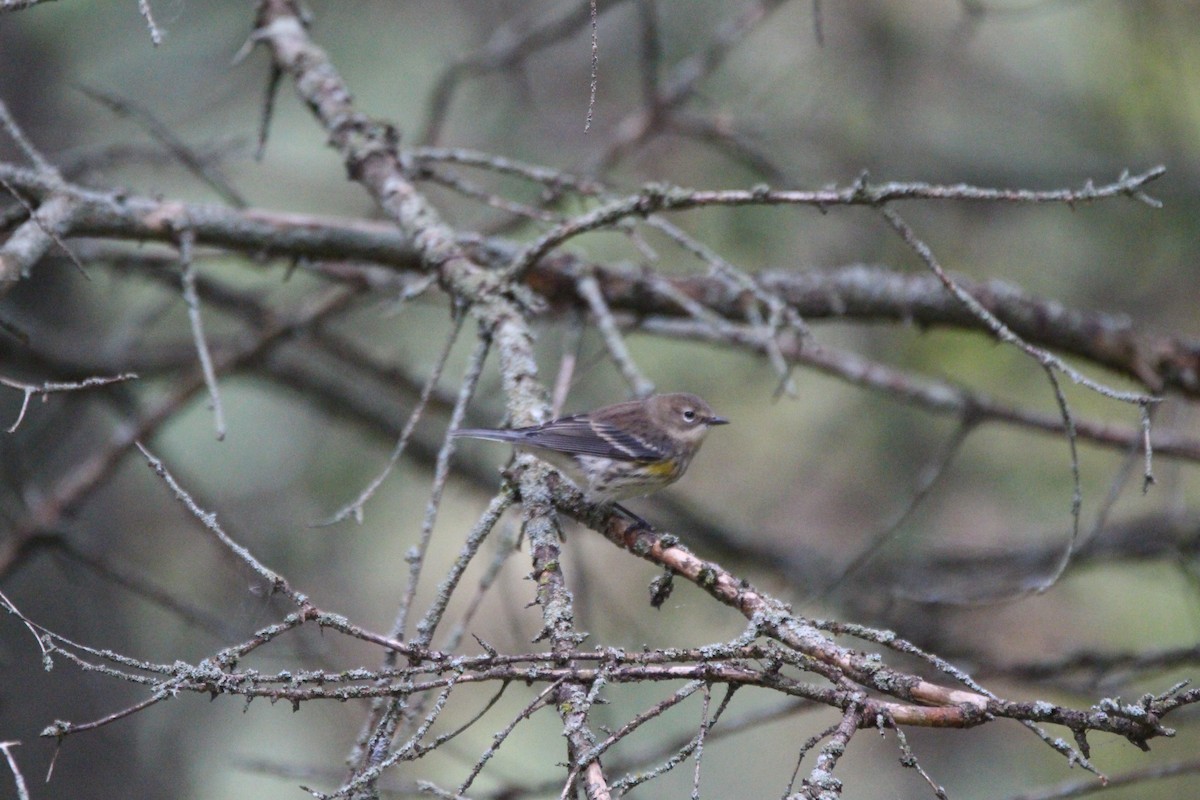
[{"x": 490, "y": 434}]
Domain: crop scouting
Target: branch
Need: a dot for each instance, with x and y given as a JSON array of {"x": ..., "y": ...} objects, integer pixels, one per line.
[
  {"x": 369, "y": 150},
  {"x": 873, "y": 293},
  {"x": 940, "y": 705},
  {"x": 266, "y": 233},
  {"x": 856, "y": 292}
]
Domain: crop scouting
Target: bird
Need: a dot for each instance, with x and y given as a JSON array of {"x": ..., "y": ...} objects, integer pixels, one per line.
[{"x": 619, "y": 451}]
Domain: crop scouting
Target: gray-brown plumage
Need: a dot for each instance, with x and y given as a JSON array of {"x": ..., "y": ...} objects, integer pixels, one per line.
[{"x": 619, "y": 451}]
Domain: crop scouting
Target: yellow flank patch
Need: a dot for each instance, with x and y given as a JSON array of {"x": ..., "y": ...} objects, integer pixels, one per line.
[{"x": 661, "y": 469}]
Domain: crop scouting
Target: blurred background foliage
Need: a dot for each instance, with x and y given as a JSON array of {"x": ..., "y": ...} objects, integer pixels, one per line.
[{"x": 1035, "y": 95}]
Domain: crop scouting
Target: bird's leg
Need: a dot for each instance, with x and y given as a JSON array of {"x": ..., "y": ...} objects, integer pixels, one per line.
[{"x": 639, "y": 524}]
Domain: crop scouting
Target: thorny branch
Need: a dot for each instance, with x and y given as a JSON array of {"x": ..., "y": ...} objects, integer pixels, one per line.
[
  {"x": 790, "y": 641},
  {"x": 502, "y": 286}
]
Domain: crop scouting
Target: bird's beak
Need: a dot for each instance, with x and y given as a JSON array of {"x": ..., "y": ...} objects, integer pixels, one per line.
[{"x": 717, "y": 421}]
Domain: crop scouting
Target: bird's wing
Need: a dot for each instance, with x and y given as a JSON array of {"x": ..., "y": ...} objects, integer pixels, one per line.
[{"x": 583, "y": 436}]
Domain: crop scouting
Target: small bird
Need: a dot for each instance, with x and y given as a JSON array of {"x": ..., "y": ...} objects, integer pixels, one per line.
[{"x": 619, "y": 451}]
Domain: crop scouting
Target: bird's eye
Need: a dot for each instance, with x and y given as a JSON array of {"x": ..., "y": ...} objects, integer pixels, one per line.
[{"x": 689, "y": 415}]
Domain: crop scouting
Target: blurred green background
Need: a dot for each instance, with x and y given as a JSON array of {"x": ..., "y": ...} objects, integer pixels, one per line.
[{"x": 1029, "y": 95}]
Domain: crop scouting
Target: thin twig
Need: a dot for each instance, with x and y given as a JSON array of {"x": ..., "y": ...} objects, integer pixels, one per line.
[
  {"x": 43, "y": 644},
  {"x": 927, "y": 478},
  {"x": 804, "y": 750},
  {"x": 40, "y": 163},
  {"x": 1004, "y": 333},
  {"x": 617, "y": 350},
  {"x": 355, "y": 507},
  {"x": 538, "y": 702},
  {"x": 909, "y": 759},
  {"x": 52, "y": 387},
  {"x": 664, "y": 197},
  {"x": 505, "y": 548},
  {"x": 441, "y": 472},
  {"x": 200, "y": 167},
  {"x": 209, "y": 520},
  {"x": 433, "y": 616},
  {"x": 1128, "y": 778},
  {"x": 186, "y": 241},
  {"x": 936, "y": 396},
  {"x": 655, "y": 711},
  {"x": 780, "y": 313},
  {"x": 571, "y": 340},
  {"x": 473, "y": 191},
  {"x": 704, "y": 724},
  {"x": 156, "y": 36},
  {"x": 593, "y": 78},
  {"x": 678, "y": 752},
  {"x": 18, "y": 778}
]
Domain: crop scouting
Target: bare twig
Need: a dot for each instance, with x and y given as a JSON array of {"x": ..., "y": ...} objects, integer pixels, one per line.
[
  {"x": 156, "y": 36},
  {"x": 1128, "y": 778},
  {"x": 936, "y": 396},
  {"x": 820, "y": 783},
  {"x": 804, "y": 750},
  {"x": 565, "y": 377},
  {"x": 441, "y": 473},
  {"x": 617, "y": 351},
  {"x": 704, "y": 724},
  {"x": 539, "y": 701},
  {"x": 18, "y": 778},
  {"x": 594, "y": 77},
  {"x": 43, "y": 645},
  {"x": 20, "y": 5},
  {"x": 655, "y": 711},
  {"x": 52, "y": 387},
  {"x": 508, "y": 47},
  {"x": 660, "y": 197},
  {"x": 186, "y": 240},
  {"x": 909, "y": 759},
  {"x": 209, "y": 520},
  {"x": 1049, "y": 361},
  {"x": 10, "y": 126},
  {"x": 928, "y": 477},
  {"x": 433, "y": 616},
  {"x": 179, "y": 150},
  {"x": 355, "y": 507}
]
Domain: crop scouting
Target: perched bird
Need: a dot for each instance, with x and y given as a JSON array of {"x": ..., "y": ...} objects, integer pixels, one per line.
[{"x": 619, "y": 451}]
